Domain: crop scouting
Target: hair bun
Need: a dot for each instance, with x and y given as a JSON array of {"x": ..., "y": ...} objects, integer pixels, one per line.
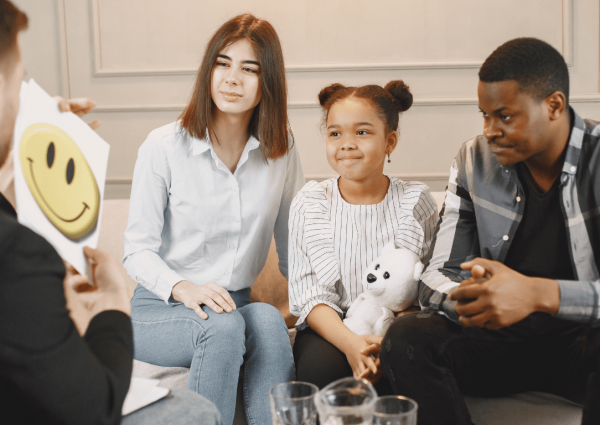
[
  {"x": 329, "y": 91},
  {"x": 401, "y": 94}
]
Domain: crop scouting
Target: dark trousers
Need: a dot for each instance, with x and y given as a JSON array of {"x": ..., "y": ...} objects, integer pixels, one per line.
[
  {"x": 435, "y": 361},
  {"x": 320, "y": 362}
]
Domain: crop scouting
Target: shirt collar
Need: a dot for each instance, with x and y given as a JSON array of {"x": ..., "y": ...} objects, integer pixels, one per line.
[
  {"x": 199, "y": 146},
  {"x": 575, "y": 142}
]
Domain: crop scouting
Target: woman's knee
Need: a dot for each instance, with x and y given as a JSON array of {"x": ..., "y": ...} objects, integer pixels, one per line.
[
  {"x": 228, "y": 326},
  {"x": 264, "y": 320}
]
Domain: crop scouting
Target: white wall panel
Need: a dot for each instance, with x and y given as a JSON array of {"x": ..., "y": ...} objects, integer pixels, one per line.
[
  {"x": 137, "y": 59},
  {"x": 167, "y": 35}
]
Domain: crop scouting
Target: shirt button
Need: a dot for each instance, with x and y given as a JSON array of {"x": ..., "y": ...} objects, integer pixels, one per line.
[
  {"x": 573, "y": 169},
  {"x": 518, "y": 199},
  {"x": 505, "y": 237},
  {"x": 236, "y": 219}
]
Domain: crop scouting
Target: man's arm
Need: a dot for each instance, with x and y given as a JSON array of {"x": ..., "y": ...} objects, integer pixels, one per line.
[
  {"x": 456, "y": 241},
  {"x": 53, "y": 373},
  {"x": 503, "y": 296}
]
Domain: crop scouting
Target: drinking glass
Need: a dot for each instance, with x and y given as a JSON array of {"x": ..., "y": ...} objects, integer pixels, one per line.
[
  {"x": 395, "y": 410},
  {"x": 292, "y": 403},
  {"x": 346, "y": 401}
]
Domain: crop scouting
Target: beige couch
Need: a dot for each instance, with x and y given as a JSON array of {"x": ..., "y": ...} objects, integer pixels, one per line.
[{"x": 271, "y": 287}]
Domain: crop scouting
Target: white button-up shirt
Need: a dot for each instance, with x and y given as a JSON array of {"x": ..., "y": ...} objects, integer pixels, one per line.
[{"x": 191, "y": 219}]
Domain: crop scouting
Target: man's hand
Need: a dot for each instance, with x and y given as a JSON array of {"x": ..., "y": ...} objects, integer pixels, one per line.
[
  {"x": 359, "y": 362},
  {"x": 211, "y": 294},
  {"x": 497, "y": 296},
  {"x": 107, "y": 292},
  {"x": 78, "y": 313},
  {"x": 79, "y": 106}
]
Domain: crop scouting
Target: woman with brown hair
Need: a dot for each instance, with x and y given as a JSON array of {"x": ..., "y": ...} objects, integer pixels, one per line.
[{"x": 209, "y": 191}]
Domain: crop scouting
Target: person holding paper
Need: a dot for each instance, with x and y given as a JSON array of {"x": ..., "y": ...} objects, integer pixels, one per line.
[
  {"x": 209, "y": 191},
  {"x": 48, "y": 372},
  {"x": 514, "y": 269}
]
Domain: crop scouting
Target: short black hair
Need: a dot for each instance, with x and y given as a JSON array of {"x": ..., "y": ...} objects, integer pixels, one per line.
[{"x": 538, "y": 67}]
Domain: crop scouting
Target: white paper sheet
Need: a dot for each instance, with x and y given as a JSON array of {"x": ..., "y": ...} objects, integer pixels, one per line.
[
  {"x": 39, "y": 116},
  {"x": 142, "y": 392}
]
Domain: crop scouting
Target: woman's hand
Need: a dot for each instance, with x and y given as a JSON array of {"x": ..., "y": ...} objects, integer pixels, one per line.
[
  {"x": 211, "y": 295},
  {"x": 361, "y": 363}
]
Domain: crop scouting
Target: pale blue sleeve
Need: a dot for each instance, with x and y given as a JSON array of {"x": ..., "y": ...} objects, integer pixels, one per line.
[{"x": 143, "y": 236}]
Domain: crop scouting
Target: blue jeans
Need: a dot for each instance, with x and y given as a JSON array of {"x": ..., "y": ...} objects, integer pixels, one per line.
[
  {"x": 181, "y": 407},
  {"x": 254, "y": 335}
]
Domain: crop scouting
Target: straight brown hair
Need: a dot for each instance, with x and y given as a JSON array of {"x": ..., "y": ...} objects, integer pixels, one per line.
[{"x": 269, "y": 123}]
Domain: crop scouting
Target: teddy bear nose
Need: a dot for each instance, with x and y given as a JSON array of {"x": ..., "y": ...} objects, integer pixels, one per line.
[{"x": 371, "y": 278}]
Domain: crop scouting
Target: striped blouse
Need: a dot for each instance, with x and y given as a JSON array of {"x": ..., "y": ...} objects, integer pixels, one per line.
[{"x": 332, "y": 241}]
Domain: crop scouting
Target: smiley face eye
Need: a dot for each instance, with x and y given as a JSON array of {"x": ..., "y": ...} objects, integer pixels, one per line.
[
  {"x": 377, "y": 267},
  {"x": 386, "y": 275},
  {"x": 70, "y": 171},
  {"x": 50, "y": 155}
]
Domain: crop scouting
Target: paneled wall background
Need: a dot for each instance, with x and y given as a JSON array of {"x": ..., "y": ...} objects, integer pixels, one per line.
[{"x": 138, "y": 59}]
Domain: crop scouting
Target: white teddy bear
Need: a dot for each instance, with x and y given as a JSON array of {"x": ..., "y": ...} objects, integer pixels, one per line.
[{"x": 389, "y": 285}]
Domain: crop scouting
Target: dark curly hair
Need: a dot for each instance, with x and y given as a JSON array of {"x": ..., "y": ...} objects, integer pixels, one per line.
[
  {"x": 537, "y": 66},
  {"x": 389, "y": 101}
]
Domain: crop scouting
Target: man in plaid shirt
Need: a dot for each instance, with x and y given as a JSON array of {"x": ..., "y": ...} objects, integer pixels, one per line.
[{"x": 511, "y": 296}]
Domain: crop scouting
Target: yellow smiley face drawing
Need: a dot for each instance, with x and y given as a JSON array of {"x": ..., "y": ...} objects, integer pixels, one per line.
[{"x": 60, "y": 179}]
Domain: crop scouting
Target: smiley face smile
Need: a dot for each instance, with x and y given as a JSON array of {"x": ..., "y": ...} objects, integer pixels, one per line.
[
  {"x": 59, "y": 179},
  {"x": 85, "y": 206}
]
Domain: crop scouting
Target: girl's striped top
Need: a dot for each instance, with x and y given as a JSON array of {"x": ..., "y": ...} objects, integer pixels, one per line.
[{"x": 332, "y": 241}]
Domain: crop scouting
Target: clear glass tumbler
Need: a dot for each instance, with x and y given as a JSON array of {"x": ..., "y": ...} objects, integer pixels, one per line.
[
  {"x": 346, "y": 401},
  {"x": 293, "y": 403},
  {"x": 395, "y": 410}
]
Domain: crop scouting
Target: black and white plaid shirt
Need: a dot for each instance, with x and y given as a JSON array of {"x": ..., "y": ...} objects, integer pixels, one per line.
[{"x": 484, "y": 206}]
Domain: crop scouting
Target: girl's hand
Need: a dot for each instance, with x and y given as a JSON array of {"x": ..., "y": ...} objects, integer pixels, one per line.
[
  {"x": 373, "y": 350},
  {"x": 359, "y": 362},
  {"x": 211, "y": 295}
]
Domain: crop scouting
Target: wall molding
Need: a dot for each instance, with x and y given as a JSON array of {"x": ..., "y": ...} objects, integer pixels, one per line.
[
  {"x": 64, "y": 50},
  {"x": 100, "y": 72},
  {"x": 442, "y": 101}
]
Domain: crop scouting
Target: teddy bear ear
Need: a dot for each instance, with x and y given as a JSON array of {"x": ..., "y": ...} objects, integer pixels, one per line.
[
  {"x": 388, "y": 248},
  {"x": 418, "y": 270}
]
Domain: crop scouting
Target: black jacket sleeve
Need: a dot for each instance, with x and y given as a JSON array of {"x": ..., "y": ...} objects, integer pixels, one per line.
[{"x": 48, "y": 373}]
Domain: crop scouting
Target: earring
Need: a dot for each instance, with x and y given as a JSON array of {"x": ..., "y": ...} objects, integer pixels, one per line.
[{"x": 389, "y": 160}]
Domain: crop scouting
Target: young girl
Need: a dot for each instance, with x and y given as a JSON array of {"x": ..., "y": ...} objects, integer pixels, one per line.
[
  {"x": 339, "y": 226},
  {"x": 208, "y": 192}
]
